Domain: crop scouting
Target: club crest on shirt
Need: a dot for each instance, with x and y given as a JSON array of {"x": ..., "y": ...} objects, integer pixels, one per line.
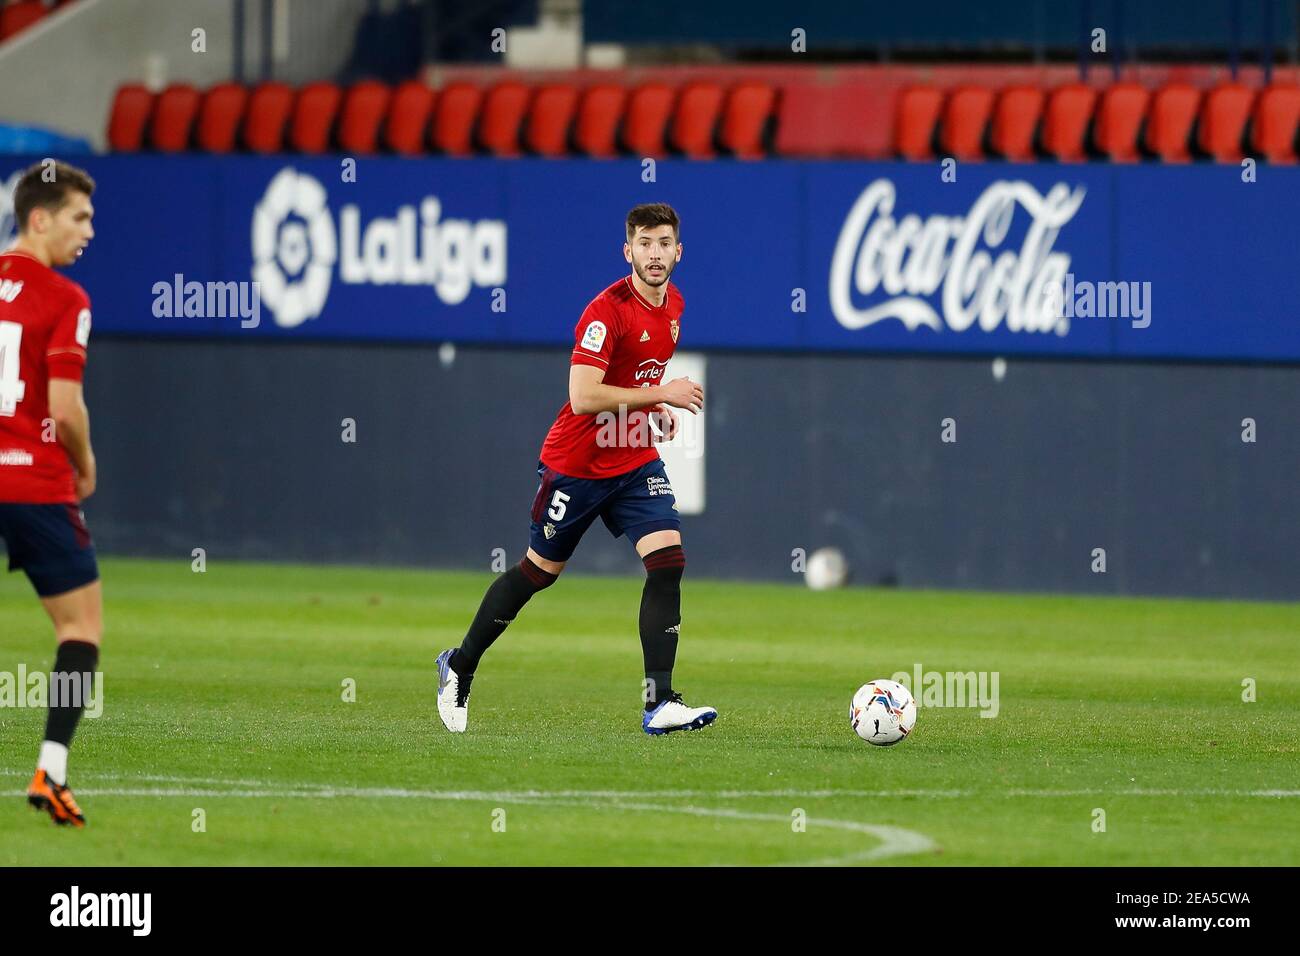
[
  {"x": 673, "y": 328},
  {"x": 548, "y": 530}
]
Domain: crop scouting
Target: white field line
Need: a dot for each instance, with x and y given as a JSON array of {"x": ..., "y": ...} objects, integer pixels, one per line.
[{"x": 234, "y": 787}]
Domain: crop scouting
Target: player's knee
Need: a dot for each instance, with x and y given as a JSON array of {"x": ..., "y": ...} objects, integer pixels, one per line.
[
  {"x": 665, "y": 567},
  {"x": 84, "y": 633},
  {"x": 538, "y": 571}
]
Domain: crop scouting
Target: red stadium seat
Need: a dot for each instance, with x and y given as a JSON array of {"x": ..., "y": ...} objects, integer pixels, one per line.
[
  {"x": 269, "y": 107},
  {"x": 173, "y": 118},
  {"x": 364, "y": 107},
  {"x": 129, "y": 118},
  {"x": 599, "y": 114},
  {"x": 965, "y": 118},
  {"x": 1169, "y": 124},
  {"x": 314, "y": 112},
  {"x": 1223, "y": 121},
  {"x": 1065, "y": 122},
  {"x": 408, "y": 117},
  {"x": 549, "y": 119},
  {"x": 916, "y": 119},
  {"x": 1118, "y": 122},
  {"x": 648, "y": 111},
  {"x": 695, "y": 119},
  {"x": 1015, "y": 121},
  {"x": 1273, "y": 125},
  {"x": 745, "y": 120},
  {"x": 504, "y": 110},
  {"x": 219, "y": 116},
  {"x": 453, "y": 123},
  {"x": 16, "y": 17}
]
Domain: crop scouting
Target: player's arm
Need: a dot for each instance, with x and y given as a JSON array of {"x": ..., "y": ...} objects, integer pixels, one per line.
[
  {"x": 72, "y": 429},
  {"x": 588, "y": 395}
]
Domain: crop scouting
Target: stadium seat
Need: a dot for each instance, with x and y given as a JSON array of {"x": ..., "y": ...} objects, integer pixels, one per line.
[
  {"x": 219, "y": 116},
  {"x": 1065, "y": 122},
  {"x": 648, "y": 111},
  {"x": 599, "y": 115},
  {"x": 504, "y": 109},
  {"x": 1273, "y": 123},
  {"x": 746, "y": 120},
  {"x": 1223, "y": 122},
  {"x": 965, "y": 118},
  {"x": 16, "y": 17},
  {"x": 364, "y": 106},
  {"x": 1015, "y": 121},
  {"x": 408, "y": 117},
  {"x": 269, "y": 107},
  {"x": 695, "y": 119},
  {"x": 453, "y": 123},
  {"x": 1169, "y": 124},
  {"x": 1118, "y": 122},
  {"x": 173, "y": 118},
  {"x": 915, "y": 120},
  {"x": 314, "y": 112},
  {"x": 129, "y": 118},
  {"x": 549, "y": 119}
]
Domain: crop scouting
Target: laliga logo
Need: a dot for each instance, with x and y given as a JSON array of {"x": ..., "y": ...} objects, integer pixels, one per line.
[
  {"x": 295, "y": 248},
  {"x": 293, "y": 258},
  {"x": 911, "y": 258}
]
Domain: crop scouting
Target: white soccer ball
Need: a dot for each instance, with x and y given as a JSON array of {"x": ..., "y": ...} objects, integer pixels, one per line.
[
  {"x": 827, "y": 569},
  {"x": 883, "y": 712}
]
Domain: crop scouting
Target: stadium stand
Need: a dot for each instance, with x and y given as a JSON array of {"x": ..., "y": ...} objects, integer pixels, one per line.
[{"x": 1021, "y": 114}]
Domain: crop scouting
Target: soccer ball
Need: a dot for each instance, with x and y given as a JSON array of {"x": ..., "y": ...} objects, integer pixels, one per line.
[
  {"x": 883, "y": 712},
  {"x": 827, "y": 569}
]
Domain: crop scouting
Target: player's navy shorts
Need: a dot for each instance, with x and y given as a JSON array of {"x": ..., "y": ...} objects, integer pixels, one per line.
[
  {"x": 50, "y": 543},
  {"x": 632, "y": 504}
]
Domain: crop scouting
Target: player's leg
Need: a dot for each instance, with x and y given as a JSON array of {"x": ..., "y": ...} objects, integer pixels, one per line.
[
  {"x": 563, "y": 509},
  {"x": 646, "y": 511},
  {"x": 52, "y": 545},
  {"x": 661, "y": 610}
]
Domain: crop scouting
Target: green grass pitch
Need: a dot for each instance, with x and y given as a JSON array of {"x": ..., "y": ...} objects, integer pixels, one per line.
[{"x": 224, "y": 694}]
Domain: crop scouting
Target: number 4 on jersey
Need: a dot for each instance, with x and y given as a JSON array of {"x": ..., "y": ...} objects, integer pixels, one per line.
[{"x": 12, "y": 388}]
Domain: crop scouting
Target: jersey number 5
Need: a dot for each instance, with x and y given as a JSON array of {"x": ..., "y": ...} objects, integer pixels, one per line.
[
  {"x": 12, "y": 388},
  {"x": 558, "y": 505}
]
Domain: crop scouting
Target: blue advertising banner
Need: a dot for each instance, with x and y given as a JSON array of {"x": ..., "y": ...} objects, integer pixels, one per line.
[{"x": 1097, "y": 260}]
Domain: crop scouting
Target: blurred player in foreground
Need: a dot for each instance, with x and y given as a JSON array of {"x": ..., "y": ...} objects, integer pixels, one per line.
[
  {"x": 47, "y": 466},
  {"x": 599, "y": 459}
]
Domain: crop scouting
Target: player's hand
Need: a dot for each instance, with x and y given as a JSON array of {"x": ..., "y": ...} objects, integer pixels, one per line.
[
  {"x": 85, "y": 483},
  {"x": 683, "y": 393},
  {"x": 667, "y": 421}
]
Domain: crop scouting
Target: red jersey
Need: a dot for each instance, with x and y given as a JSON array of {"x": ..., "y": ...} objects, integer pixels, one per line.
[
  {"x": 632, "y": 341},
  {"x": 44, "y": 330}
]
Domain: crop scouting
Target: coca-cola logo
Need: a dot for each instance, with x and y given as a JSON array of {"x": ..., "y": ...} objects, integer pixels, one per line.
[{"x": 911, "y": 258}]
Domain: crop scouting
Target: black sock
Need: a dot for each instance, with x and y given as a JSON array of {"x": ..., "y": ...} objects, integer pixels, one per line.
[
  {"x": 503, "y": 600},
  {"x": 661, "y": 616},
  {"x": 71, "y": 681}
]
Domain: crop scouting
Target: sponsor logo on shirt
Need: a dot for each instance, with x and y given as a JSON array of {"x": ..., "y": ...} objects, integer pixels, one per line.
[{"x": 16, "y": 458}]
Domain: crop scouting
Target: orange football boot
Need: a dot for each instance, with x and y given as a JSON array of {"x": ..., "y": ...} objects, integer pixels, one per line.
[{"x": 45, "y": 794}]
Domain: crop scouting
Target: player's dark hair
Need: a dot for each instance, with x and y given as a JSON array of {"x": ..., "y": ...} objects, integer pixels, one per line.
[
  {"x": 651, "y": 214},
  {"x": 46, "y": 186}
]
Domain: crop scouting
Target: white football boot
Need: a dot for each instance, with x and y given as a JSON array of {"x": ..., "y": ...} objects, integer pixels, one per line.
[
  {"x": 453, "y": 695},
  {"x": 672, "y": 714}
]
